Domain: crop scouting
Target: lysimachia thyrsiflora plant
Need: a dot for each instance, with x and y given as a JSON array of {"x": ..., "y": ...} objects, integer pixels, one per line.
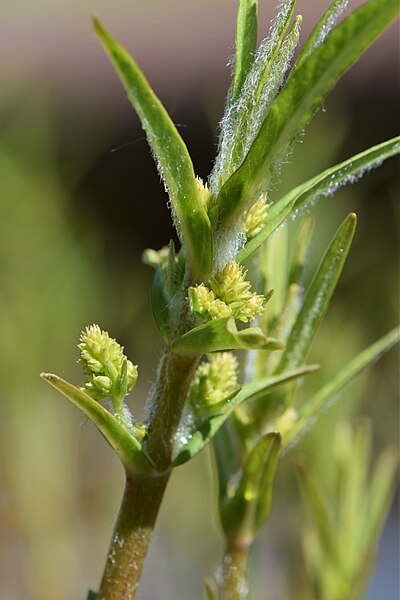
[{"x": 209, "y": 299}]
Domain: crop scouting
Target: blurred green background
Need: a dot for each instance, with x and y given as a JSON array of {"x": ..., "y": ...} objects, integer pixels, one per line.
[{"x": 79, "y": 201}]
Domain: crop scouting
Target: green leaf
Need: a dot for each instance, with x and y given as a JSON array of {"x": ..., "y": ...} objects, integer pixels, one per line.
[
  {"x": 331, "y": 390},
  {"x": 318, "y": 296},
  {"x": 302, "y": 246},
  {"x": 243, "y": 118},
  {"x": 203, "y": 432},
  {"x": 282, "y": 328},
  {"x": 172, "y": 157},
  {"x": 320, "y": 31},
  {"x": 133, "y": 456},
  {"x": 273, "y": 261},
  {"x": 228, "y": 450},
  {"x": 160, "y": 301},
  {"x": 222, "y": 334},
  {"x": 349, "y": 171},
  {"x": 303, "y": 94},
  {"x": 246, "y": 40},
  {"x": 260, "y": 387},
  {"x": 324, "y": 184},
  {"x": 243, "y": 513}
]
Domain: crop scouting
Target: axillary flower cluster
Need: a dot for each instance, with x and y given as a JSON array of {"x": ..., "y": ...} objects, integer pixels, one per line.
[
  {"x": 227, "y": 294},
  {"x": 109, "y": 371},
  {"x": 213, "y": 382}
]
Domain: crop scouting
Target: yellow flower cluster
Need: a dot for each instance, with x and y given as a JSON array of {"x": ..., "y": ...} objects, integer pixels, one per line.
[
  {"x": 214, "y": 380},
  {"x": 227, "y": 295},
  {"x": 110, "y": 373},
  {"x": 256, "y": 217}
]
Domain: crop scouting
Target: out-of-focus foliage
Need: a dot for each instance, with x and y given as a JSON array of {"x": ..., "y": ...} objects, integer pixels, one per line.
[{"x": 346, "y": 515}]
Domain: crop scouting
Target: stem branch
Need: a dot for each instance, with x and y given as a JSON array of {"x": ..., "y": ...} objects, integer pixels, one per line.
[
  {"x": 144, "y": 492},
  {"x": 234, "y": 584}
]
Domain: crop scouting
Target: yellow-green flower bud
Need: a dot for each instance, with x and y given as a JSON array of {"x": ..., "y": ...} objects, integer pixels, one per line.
[
  {"x": 256, "y": 217},
  {"x": 230, "y": 284},
  {"x": 109, "y": 372},
  {"x": 205, "y": 305},
  {"x": 214, "y": 380},
  {"x": 208, "y": 199}
]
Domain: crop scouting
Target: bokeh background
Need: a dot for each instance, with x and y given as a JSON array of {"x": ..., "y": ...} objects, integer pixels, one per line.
[{"x": 79, "y": 201}]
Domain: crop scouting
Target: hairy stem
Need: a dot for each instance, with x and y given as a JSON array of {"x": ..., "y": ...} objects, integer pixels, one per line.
[
  {"x": 131, "y": 537},
  {"x": 144, "y": 492},
  {"x": 234, "y": 585}
]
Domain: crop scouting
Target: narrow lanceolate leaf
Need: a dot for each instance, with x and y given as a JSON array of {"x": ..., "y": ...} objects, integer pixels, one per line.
[
  {"x": 324, "y": 184},
  {"x": 332, "y": 389},
  {"x": 222, "y": 334},
  {"x": 300, "y": 98},
  {"x": 283, "y": 325},
  {"x": 171, "y": 155},
  {"x": 320, "y": 31},
  {"x": 243, "y": 117},
  {"x": 160, "y": 301},
  {"x": 203, "y": 432},
  {"x": 318, "y": 296},
  {"x": 128, "y": 448},
  {"x": 301, "y": 250},
  {"x": 246, "y": 42},
  {"x": 244, "y": 513}
]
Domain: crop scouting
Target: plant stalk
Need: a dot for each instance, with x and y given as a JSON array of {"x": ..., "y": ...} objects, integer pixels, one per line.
[
  {"x": 234, "y": 585},
  {"x": 144, "y": 492}
]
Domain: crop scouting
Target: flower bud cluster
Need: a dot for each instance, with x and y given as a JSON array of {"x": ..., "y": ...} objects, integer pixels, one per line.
[
  {"x": 256, "y": 217},
  {"x": 214, "y": 380},
  {"x": 109, "y": 372},
  {"x": 208, "y": 199},
  {"x": 227, "y": 295}
]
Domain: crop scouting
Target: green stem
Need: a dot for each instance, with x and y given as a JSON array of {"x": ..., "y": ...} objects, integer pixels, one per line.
[
  {"x": 144, "y": 492},
  {"x": 131, "y": 537},
  {"x": 234, "y": 585}
]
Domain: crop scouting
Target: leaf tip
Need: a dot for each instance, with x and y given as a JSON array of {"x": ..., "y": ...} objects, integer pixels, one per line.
[
  {"x": 99, "y": 28},
  {"x": 96, "y": 22},
  {"x": 48, "y": 376},
  {"x": 277, "y": 437}
]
